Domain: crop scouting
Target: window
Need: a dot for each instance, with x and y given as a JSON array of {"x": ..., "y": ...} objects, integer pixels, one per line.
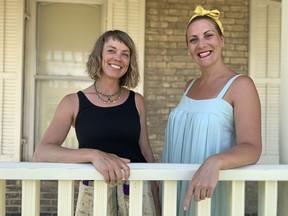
[{"x": 65, "y": 35}]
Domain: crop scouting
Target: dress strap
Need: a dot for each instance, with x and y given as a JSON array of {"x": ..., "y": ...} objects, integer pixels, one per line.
[
  {"x": 190, "y": 85},
  {"x": 226, "y": 87}
]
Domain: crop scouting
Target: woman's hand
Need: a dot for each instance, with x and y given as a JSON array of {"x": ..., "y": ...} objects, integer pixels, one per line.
[
  {"x": 112, "y": 167},
  {"x": 203, "y": 183}
]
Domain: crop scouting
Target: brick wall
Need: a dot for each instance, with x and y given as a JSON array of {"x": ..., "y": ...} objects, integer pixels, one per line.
[{"x": 13, "y": 196}]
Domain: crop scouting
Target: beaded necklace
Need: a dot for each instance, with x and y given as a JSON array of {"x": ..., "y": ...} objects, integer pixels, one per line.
[{"x": 100, "y": 95}]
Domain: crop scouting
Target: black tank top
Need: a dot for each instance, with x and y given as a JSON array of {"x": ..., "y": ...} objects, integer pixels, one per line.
[{"x": 110, "y": 129}]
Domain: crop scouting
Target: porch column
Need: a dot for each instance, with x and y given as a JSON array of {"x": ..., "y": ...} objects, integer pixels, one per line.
[{"x": 283, "y": 186}]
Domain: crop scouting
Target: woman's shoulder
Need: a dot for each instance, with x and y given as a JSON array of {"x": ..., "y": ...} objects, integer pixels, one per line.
[
  {"x": 139, "y": 102},
  {"x": 70, "y": 98},
  {"x": 188, "y": 84},
  {"x": 68, "y": 104},
  {"x": 139, "y": 99},
  {"x": 243, "y": 86},
  {"x": 243, "y": 81},
  {"x": 138, "y": 95}
]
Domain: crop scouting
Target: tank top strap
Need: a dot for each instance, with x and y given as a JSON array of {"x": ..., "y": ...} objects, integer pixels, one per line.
[
  {"x": 190, "y": 85},
  {"x": 131, "y": 97},
  {"x": 83, "y": 100},
  {"x": 227, "y": 85}
]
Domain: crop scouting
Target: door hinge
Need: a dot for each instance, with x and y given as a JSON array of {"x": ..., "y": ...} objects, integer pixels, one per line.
[
  {"x": 23, "y": 141},
  {"x": 27, "y": 16}
]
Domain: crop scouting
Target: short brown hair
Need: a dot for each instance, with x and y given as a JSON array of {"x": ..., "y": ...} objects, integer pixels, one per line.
[{"x": 94, "y": 64}]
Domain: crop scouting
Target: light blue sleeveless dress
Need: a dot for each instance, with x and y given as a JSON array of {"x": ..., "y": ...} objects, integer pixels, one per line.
[{"x": 195, "y": 130}]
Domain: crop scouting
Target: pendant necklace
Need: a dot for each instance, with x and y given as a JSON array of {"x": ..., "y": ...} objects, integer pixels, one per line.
[{"x": 100, "y": 95}]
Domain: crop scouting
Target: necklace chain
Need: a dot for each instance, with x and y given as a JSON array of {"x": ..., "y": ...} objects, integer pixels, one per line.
[{"x": 100, "y": 95}]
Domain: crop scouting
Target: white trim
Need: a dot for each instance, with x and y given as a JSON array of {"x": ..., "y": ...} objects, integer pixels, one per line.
[
  {"x": 109, "y": 17},
  {"x": 30, "y": 68},
  {"x": 284, "y": 85},
  {"x": 141, "y": 51},
  {"x": 19, "y": 84}
]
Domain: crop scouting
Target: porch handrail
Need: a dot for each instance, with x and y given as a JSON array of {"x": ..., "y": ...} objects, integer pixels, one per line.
[
  {"x": 31, "y": 174},
  {"x": 139, "y": 171}
]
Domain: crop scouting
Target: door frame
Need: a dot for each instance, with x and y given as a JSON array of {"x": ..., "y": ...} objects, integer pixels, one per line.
[{"x": 29, "y": 80}]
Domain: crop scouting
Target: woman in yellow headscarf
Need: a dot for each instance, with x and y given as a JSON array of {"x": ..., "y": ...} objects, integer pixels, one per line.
[{"x": 217, "y": 122}]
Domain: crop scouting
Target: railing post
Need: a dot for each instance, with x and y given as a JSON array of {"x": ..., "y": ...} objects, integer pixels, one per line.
[
  {"x": 267, "y": 198},
  {"x": 135, "y": 198},
  {"x": 100, "y": 198},
  {"x": 203, "y": 208},
  {"x": 282, "y": 198},
  {"x": 30, "y": 197},
  {"x": 66, "y": 197},
  {"x": 169, "y": 198},
  {"x": 2, "y": 197},
  {"x": 237, "y": 198}
]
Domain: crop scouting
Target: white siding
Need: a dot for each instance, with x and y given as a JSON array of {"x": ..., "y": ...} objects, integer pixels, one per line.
[
  {"x": 11, "y": 61},
  {"x": 264, "y": 68}
]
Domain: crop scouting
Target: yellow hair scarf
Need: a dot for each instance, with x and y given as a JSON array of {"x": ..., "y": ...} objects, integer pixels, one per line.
[{"x": 213, "y": 14}]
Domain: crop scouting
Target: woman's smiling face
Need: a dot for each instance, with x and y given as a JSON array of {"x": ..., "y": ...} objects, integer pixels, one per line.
[
  {"x": 204, "y": 42},
  {"x": 115, "y": 59}
]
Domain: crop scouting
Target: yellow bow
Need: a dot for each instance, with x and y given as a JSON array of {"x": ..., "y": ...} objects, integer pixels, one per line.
[{"x": 214, "y": 14}]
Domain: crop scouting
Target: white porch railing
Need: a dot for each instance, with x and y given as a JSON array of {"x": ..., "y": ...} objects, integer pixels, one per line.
[{"x": 31, "y": 174}]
